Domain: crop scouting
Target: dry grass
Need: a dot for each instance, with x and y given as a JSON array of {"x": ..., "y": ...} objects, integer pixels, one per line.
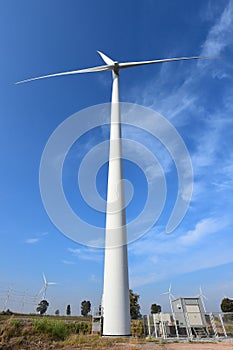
[
  {"x": 42, "y": 332},
  {"x": 45, "y": 333}
]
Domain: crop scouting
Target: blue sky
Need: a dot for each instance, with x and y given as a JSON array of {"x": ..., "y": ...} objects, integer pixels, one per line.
[{"x": 43, "y": 37}]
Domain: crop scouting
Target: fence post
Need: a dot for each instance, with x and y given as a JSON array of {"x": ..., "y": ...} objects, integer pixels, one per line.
[{"x": 223, "y": 327}]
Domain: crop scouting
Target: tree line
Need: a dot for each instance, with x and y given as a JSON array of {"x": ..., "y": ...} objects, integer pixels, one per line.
[
  {"x": 226, "y": 306},
  {"x": 85, "y": 308}
]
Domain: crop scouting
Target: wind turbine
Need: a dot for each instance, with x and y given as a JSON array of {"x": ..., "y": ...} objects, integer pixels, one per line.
[
  {"x": 7, "y": 298},
  {"x": 170, "y": 296},
  {"x": 45, "y": 286},
  {"x": 202, "y": 297},
  {"x": 116, "y": 282}
]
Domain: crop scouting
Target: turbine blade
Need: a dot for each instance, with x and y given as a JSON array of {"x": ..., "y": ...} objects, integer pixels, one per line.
[
  {"x": 51, "y": 283},
  {"x": 44, "y": 278},
  {"x": 134, "y": 64},
  {"x": 105, "y": 58},
  {"x": 44, "y": 291},
  {"x": 86, "y": 70},
  {"x": 201, "y": 295},
  {"x": 40, "y": 291}
]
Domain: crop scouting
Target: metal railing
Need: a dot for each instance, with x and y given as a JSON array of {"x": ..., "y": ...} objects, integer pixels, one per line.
[{"x": 192, "y": 326}]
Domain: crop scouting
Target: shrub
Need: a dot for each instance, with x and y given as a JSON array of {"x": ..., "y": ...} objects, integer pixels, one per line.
[
  {"x": 60, "y": 330},
  {"x": 56, "y": 330},
  {"x": 137, "y": 328},
  {"x": 80, "y": 327}
]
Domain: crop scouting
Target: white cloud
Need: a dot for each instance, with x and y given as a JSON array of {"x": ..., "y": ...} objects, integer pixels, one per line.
[
  {"x": 224, "y": 177},
  {"x": 220, "y": 34},
  {"x": 68, "y": 262},
  {"x": 44, "y": 234},
  {"x": 206, "y": 150},
  {"x": 37, "y": 239},
  {"x": 199, "y": 190},
  {"x": 32, "y": 240},
  {"x": 202, "y": 229},
  {"x": 90, "y": 254},
  {"x": 166, "y": 256},
  {"x": 184, "y": 100},
  {"x": 75, "y": 251}
]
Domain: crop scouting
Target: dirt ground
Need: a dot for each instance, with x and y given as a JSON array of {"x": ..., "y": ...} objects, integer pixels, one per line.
[
  {"x": 219, "y": 346},
  {"x": 164, "y": 346},
  {"x": 175, "y": 346},
  {"x": 190, "y": 346},
  {"x": 39, "y": 345}
]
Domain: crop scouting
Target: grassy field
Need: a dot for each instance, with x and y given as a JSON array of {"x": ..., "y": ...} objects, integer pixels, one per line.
[
  {"x": 30, "y": 332},
  {"x": 56, "y": 332}
]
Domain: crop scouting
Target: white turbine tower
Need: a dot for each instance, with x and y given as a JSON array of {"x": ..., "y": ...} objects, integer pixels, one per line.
[
  {"x": 45, "y": 286},
  {"x": 116, "y": 282}
]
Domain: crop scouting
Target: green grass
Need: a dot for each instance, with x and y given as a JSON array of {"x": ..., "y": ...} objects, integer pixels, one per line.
[
  {"x": 4, "y": 317},
  {"x": 60, "y": 330},
  {"x": 44, "y": 327},
  {"x": 55, "y": 330}
]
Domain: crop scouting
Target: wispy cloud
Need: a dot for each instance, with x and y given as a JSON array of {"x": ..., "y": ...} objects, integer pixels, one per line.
[
  {"x": 183, "y": 98},
  {"x": 203, "y": 228},
  {"x": 44, "y": 233},
  {"x": 160, "y": 243},
  {"x": 185, "y": 251},
  {"x": 220, "y": 34},
  {"x": 38, "y": 238},
  {"x": 68, "y": 262},
  {"x": 224, "y": 178},
  {"x": 201, "y": 115},
  {"x": 87, "y": 254},
  {"x": 32, "y": 240}
]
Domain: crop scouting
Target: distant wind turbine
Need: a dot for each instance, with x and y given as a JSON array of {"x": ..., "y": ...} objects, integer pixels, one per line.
[
  {"x": 116, "y": 307},
  {"x": 23, "y": 301},
  {"x": 7, "y": 298},
  {"x": 170, "y": 296},
  {"x": 202, "y": 297},
  {"x": 45, "y": 286}
]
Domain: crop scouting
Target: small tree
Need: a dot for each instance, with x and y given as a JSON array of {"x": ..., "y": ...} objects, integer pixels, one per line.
[
  {"x": 227, "y": 305},
  {"x": 134, "y": 305},
  {"x": 155, "y": 309},
  {"x": 85, "y": 307},
  {"x": 68, "y": 310},
  {"x": 8, "y": 312},
  {"x": 57, "y": 312},
  {"x": 42, "y": 307}
]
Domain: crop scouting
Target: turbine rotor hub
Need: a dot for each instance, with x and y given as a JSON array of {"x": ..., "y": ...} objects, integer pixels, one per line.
[{"x": 116, "y": 68}]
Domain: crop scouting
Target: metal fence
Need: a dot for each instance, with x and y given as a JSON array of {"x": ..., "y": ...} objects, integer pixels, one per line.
[{"x": 189, "y": 325}]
